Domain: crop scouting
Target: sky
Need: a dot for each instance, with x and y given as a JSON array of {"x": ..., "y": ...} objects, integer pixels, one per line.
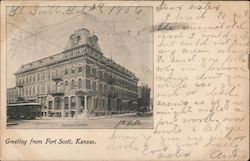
[{"x": 124, "y": 35}]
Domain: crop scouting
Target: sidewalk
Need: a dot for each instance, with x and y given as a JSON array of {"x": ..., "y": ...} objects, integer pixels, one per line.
[
  {"x": 111, "y": 116},
  {"x": 89, "y": 117}
]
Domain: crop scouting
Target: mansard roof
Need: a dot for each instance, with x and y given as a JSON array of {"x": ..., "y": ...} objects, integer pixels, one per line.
[
  {"x": 83, "y": 36},
  {"x": 40, "y": 63}
]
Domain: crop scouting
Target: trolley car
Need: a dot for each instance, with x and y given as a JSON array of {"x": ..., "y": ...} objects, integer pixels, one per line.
[{"x": 24, "y": 110}]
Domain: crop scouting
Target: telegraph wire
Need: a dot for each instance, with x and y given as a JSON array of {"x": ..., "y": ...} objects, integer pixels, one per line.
[{"x": 35, "y": 34}]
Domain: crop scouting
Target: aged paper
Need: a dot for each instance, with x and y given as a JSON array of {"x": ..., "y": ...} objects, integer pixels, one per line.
[{"x": 124, "y": 80}]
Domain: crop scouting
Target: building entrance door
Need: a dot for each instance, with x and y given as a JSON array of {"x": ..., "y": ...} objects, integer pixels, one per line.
[
  {"x": 119, "y": 104},
  {"x": 50, "y": 105},
  {"x": 82, "y": 103}
]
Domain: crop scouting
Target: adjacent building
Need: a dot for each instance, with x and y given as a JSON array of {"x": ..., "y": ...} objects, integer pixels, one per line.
[
  {"x": 11, "y": 95},
  {"x": 144, "y": 103},
  {"x": 78, "y": 82}
]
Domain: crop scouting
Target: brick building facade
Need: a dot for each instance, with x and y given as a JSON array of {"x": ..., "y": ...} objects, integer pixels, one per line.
[{"x": 78, "y": 82}]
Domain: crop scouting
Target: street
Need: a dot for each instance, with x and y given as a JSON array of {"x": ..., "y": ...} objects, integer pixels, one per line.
[{"x": 122, "y": 121}]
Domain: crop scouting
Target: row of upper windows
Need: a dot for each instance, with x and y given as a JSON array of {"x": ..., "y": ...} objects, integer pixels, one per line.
[
  {"x": 92, "y": 85},
  {"x": 109, "y": 77},
  {"x": 49, "y": 75},
  {"x": 80, "y": 83},
  {"x": 91, "y": 70}
]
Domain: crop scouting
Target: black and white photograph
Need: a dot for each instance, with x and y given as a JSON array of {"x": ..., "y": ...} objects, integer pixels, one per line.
[
  {"x": 79, "y": 67},
  {"x": 124, "y": 80}
]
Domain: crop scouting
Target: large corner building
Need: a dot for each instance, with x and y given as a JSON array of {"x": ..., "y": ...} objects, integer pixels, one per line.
[{"x": 80, "y": 81}]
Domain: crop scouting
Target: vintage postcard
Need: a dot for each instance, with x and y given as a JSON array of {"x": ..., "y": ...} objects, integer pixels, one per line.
[
  {"x": 124, "y": 80},
  {"x": 91, "y": 75}
]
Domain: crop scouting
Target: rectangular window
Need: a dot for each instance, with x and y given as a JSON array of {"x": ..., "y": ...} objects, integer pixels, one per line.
[
  {"x": 73, "y": 102},
  {"x": 57, "y": 103}
]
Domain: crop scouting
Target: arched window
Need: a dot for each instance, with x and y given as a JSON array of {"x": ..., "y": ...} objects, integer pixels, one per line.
[
  {"x": 66, "y": 85},
  {"x": 94, "y": 86},
  {"x": 66, "y": 71},
  {"x": 30, "y": 91},
  {"x": 42, "y": 76},
  {"x": 43, "y": 89},
  {"x": 104, "y": 103},
  {"x": 61, "y": 73},
  {"x": 49, "y": 87},
  {"x": 79, "y": 68},
  {"x": 38, "y": 77},
  {"x": 100, "y": 75},
  {"x": 100, "y": 103},
  {"x": 56, "y": 73},
  {"x": 94, "y": 71},
  {"x": 79, "y": 83},
  {"x": 100, "y": 89},
  {"x": 49, "y": 75},
  {"x": 34, "y": 90},
  {"x": 72, "y": 84},
  {"x": 38, "y": 89},
  {"x": 87, "y": 70},
  {"x": 91, "y": 70},
  {"x": 73, "y": 70}
]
